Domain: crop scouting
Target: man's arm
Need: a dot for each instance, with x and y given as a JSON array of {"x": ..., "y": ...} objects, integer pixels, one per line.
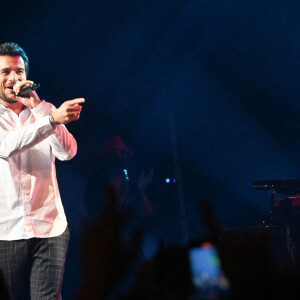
[
  {"x": 18, "y": 140},
  {"x": 63, "y": 144}
]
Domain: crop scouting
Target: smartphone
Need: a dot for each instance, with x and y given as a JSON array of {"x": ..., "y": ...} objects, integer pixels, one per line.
[{"x": 206, "y": 271}]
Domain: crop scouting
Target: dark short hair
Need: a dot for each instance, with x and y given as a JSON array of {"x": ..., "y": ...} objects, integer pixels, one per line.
[{"x": 13, "y": 49}]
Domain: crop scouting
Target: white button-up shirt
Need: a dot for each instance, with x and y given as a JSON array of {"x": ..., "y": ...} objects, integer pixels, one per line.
[{"x": 30, "y": 203}]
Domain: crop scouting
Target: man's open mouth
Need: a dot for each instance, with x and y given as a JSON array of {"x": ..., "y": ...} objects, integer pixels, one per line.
[{"x": 10, "y": 88}]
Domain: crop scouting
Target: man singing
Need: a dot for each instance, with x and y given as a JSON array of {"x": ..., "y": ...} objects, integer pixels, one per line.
[{"x": 33, "y": 228}]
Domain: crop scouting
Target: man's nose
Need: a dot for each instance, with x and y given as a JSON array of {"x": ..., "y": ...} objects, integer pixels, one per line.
[{"x": 13, "y": 77}]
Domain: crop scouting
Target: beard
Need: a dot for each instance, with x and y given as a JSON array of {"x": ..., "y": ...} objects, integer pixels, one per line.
[{"x": 5, "y": 98}]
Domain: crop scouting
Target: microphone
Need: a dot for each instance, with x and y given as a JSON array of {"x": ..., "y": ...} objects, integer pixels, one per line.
[{"x": 26, "y": 89}]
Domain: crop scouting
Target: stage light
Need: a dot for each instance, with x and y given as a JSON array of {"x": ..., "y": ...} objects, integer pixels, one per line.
[{"x": 126, "y": 174}]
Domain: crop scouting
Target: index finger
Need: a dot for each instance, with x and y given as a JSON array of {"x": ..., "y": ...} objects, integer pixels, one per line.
[{"x": 76, "y": 101}]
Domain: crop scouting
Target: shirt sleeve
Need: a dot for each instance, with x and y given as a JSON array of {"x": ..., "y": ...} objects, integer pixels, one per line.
[
  {"x": 62, "y": 142},
  {"x": 23, "y": 138}
]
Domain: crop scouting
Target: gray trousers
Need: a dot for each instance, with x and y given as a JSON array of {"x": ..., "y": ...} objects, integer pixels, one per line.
[{"x": 33, "y": 269}]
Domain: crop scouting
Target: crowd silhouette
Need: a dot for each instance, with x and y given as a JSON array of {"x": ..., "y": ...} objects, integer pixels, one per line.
[{"x": 247, "y": 259}]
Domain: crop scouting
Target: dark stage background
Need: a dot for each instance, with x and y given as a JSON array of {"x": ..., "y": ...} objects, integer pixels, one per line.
[{"x": 222, "y": 77}]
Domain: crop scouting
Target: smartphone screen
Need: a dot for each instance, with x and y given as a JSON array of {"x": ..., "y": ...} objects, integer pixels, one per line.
[{"x": 207, "y": 275}]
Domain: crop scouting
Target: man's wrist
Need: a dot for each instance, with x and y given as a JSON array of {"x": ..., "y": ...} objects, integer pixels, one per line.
[{"x": 52, "y": 122}]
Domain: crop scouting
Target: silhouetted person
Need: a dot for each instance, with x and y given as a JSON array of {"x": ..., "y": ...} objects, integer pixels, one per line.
[
  {"x": 106, "y": 260},
  {"x": 112, "y": 168}
]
